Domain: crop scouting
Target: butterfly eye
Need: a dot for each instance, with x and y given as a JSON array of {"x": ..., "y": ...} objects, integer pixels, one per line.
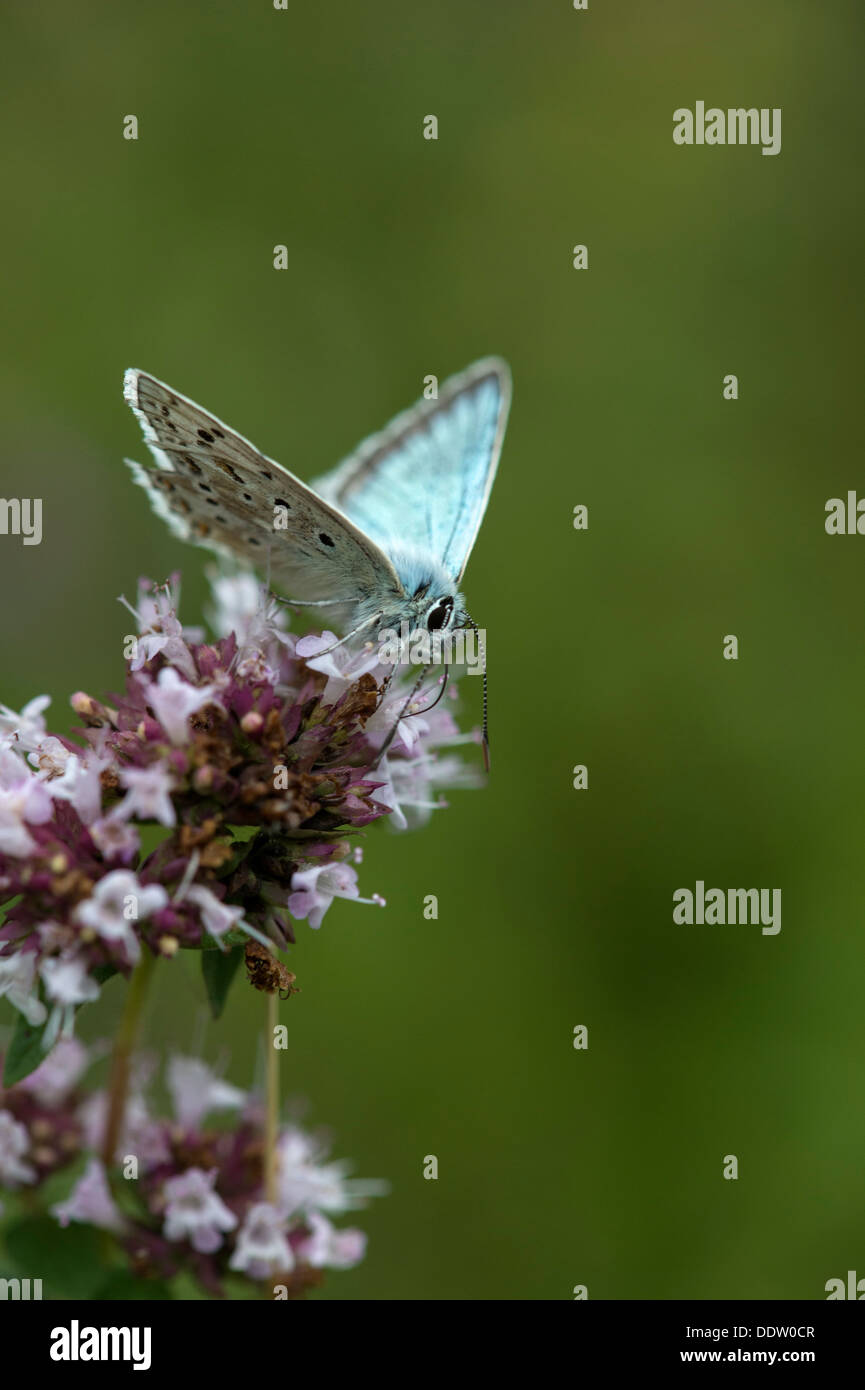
[{"x": 440, "y": 614}]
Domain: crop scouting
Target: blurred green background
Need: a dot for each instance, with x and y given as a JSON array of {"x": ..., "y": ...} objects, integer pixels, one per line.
[{"x": 409, "y": 257}]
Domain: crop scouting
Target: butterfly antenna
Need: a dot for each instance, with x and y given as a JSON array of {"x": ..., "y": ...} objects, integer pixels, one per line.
[{"x": 485, "y": 730}]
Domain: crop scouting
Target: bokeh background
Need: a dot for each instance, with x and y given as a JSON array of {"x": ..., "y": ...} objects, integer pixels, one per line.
[{"x": 410, "y": 257}]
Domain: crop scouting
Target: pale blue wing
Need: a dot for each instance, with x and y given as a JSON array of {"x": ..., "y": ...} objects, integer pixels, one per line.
[{"x": 425, "y": 480}]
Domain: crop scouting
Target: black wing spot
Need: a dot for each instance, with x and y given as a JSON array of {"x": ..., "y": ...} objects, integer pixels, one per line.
[
  {"x": 190, "y": 463},
  {"x": 325, "y": 539},
  {"x": 227, "y": 468},
  {"x": 253, "y": 540},
  {"x": 247, "y": 497},
  {"x": 219, "y": 434},
  {"x": 206, "y": 436},
  {"x": 265, "y": 474},
  {"x": 164, "y": 409},
  {"x": 281, "y": 502},
  {"x": 212, "y": 501},
  {"x": 205, "y": 488}
]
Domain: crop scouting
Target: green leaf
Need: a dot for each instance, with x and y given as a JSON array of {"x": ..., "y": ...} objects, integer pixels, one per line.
[
  {"x": 219, "y": 969},
  {"x": 70, "y": 1262},
  {"x": 25, "y": 1051},
  {"x": 240, "y": 847},
  {"x": 244, "y": 832}
]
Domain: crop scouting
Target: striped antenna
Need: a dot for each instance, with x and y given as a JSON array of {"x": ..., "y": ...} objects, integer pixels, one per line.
[{"x": 485, "y": 732}]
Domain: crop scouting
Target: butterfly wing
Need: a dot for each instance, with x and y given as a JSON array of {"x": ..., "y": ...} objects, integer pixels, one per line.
[
  {"x": 214, "y": 488},
  {"x": 426, "y": 478}
]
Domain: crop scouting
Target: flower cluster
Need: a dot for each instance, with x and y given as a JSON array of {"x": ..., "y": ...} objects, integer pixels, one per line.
[
  {"x": 211, "y": 802},
  {"x": 191, "y": 1196}
]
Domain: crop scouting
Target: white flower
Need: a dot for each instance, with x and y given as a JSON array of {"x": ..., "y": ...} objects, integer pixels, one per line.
[
  {"x": 194, "y": 1212},
  {"x": 67, "y": 985},
  {"x": 261, "y": 1247},
  {"x": 328, "y": 1246},
  {"x": 14, "y": 1143},
  {"x": 195, "y": 1090},
  {"x": 17, "y": 977},
  {"x": 148, "y": 795},
  {"x": 173, "y": 700},
  {"x": 243, "y": 606},
  {"x": 28, "y": 726},
  {"x": 306, "y": 1184},
  {"x": 341, "y": 666},
  {"x": 50, "y": 757},
  {"x": 236, "y": 603},
  {"x": 79, "y": 784},
  {"x": 117, "y": 901},
  {"x": 160, "y": 628},
  {"x": 313, "y": 891},
  {"x": 217, "y": 917},
  {"x": 114, "y": 836}
]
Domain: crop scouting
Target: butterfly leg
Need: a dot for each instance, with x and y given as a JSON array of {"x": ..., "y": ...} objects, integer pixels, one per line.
[
  {"x": 402, "y": 714},
  {"x": 348, "y": 636},
  {"x": 311, "y": 602},
  {"x": 426, "y": 709}
]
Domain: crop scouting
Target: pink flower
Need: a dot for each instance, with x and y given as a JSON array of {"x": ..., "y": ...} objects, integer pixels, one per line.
[
  {"x": 196, "y": 1090},
  {"x": 90, "y": 1202},
  {"x": 14, "y": 1143},
  {"x": 24, "y": 800},
  {"x": 173, "y": 700},
  {"x": 54, "y": 1079},
  {"x": 331, "y": 1247},
  {"x": 115, "y": 837},
  {"x": 262, "y": 1247}
]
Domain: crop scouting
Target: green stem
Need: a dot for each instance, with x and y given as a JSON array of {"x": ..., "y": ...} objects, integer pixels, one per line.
[
  {"x": 272, "y": 1112},
  {"x": 124, "y": 1046}
]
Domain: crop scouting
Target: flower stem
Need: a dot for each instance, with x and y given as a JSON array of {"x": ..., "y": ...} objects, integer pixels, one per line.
[
  {"x": 124, "y": 1045},
  {"x": 272, "y": 1113}
]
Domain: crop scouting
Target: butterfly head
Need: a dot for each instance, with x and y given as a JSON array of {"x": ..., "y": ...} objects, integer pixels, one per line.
[{"x": 431, "y": 599}]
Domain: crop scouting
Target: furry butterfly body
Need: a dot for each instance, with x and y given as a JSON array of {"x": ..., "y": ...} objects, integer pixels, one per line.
[{"x": 382, "y": 539}]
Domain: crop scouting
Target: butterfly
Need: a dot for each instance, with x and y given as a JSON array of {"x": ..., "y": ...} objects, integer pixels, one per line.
[{"x": 381, "y": 540}]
